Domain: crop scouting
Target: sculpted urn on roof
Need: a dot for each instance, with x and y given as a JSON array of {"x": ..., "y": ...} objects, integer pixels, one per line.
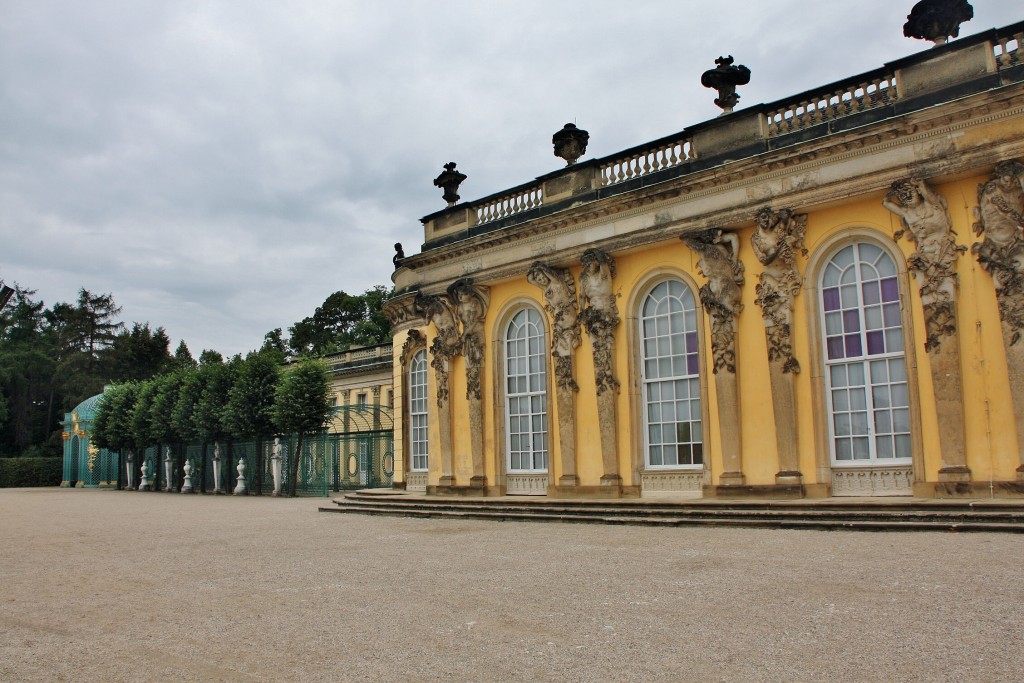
[
  {"x": 724, "y": 78},
  {"x": 937, "y": 20}
]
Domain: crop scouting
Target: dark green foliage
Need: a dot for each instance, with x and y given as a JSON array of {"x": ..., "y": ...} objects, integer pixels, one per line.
[
  {"x": 22, "y": 472},
  {"x": 343, "y": 320},
  {"x": 139, "y": 420},
  {"x": 183, "y": 359},
  {"x": 251, "y": 398},
  {"x": 209, "y": 415},
  {"x": 138, "y": 353},
  {"x": 161, "y": 426},
  {"x": 302, "y": 405}
]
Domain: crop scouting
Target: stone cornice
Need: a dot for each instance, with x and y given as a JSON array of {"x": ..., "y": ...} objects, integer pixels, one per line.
[{"x": 756, "y": 178}]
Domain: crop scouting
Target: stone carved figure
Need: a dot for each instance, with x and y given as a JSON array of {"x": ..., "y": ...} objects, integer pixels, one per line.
[
  {"x": 777, "y": 238},
  {"x": 1000, "y": 216},
  {"x": 471, "y": 307},
  {"x": 560, "y": 302},
  {"x": 396, "y": 260},
  {"x": 599, "y": 314},
  {"x": 446, "y": 345},
  {"x": 721, "y": 296},
  {"x": 924, "y": 215}
]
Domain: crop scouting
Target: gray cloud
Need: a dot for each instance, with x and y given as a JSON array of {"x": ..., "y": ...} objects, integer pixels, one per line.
[{"x": 223, "y": 167}]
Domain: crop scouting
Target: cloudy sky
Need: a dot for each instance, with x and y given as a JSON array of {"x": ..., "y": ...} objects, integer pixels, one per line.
[{"x": 222, "y": 167}]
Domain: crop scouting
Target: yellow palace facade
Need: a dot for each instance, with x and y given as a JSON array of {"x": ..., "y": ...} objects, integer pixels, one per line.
[{"x": 823, "y": 296}]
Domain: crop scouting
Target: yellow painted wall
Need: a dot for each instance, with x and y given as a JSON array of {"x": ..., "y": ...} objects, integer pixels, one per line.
[{"x": 991, "y": 443}]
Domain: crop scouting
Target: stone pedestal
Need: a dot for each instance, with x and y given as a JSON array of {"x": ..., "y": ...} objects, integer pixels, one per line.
[
  {"x": 242, "y": 487},
  {"x": 946, "y": 379},
  {"x": 786, "y": 432},
  {"x": 727, "y": 386},
  {"x": 567, "y": 436},
  {"x": 1015, "y": 365},
  {"x": 476, "y": 441},
  {"x": 606, "y": 429}
]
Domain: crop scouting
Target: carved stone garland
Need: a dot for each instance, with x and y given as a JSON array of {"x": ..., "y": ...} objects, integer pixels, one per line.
[
  {"x": 561, "y": 304},
  {"x": 923, "y": 214},
  {"x": 777, "y": 238},
  {"x": 471, "y": 303},
  {"x": 1000, "y": 216},
  {"x": 721, "y": 297},
  {"x": 599, "y": 314},
  {"x": 439, "y": 311}
]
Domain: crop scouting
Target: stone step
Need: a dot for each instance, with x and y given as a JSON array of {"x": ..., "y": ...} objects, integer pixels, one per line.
[
  {"x": 809, "y": 519},
  {"x": 866, "y": 513},
  {"x": 895, "y": 503}
]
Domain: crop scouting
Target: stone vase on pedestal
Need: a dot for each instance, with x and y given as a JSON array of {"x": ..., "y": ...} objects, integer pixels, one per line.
[
  {"x": 186, "y": 486},
  {"x": 241, "y": 488}
]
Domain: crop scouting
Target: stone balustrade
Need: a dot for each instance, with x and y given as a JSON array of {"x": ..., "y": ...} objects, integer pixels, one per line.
[
  {"x": 645, "y": 160},
  {"x": 832, "y": 102},
  {"x": 508, "y": 204},
  {"x": 890, "y": 90},
  {"x": 1007, "y": 47}
]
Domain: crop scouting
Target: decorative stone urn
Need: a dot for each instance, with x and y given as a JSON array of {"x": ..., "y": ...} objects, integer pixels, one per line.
[
  {"x": 937, "y": 20},
  {"x": 276, "y": 464},
  {"x": 724, "y": 78},
  {"x": 570, "y": 143},
  {"x": 145, "y": 482},
  {"x": 187, "y": 484},
  {"x": 242, "y": 487},
  {"x": 449, "y": 181}
]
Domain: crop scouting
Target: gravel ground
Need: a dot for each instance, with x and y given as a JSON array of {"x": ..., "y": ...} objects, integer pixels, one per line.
[{"x": 126, "y": 586}]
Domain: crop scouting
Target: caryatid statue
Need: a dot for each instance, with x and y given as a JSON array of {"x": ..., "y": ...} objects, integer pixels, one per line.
[
  {"x": 924, "y": 215},
  {"x": 599, "y": 314},
  {"x": 560, "y": 302},
  {"x": 777, "y": 238},
  {"x": 471, "y": 308},
  {"x": 439, "y": 311},
  {"x": 721, "y": 296},
  {"x": 1001, "y": 220}
]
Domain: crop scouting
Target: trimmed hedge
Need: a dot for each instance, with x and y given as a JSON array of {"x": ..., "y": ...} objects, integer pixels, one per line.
[{"x": 21, "y": 472}]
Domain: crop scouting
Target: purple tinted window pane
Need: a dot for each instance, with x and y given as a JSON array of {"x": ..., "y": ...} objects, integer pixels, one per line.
[
  {"x": 831, "y": 298},
  {"x": 691, "y": 342},
  {"x": 853, "y": 347},
  {"x": 870, "y": 293},
  {"x": 876, "y": 342},
  {"x": 851, "y": 321},
  {"x": 890, "y": 292},
  {"x": 891, "y": 315},
  {"x": 691, "y": 364},
  {"x": 835, "y": 347}
]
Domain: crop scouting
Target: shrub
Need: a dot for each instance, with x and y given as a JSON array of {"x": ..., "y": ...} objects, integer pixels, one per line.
[{"x": 21, "y": 472}]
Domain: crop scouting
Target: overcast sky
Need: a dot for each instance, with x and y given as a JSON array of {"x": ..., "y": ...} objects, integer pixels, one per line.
[{"x": 222, "y": 167}]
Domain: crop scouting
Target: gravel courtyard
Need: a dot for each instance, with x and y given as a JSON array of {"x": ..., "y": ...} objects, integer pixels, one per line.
[{"x": 126, "y": 586}]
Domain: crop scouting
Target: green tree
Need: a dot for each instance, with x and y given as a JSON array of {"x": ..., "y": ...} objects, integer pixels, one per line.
[
  {"x": 248, "y": 411},
  {"x": 343, "y": 320},
  {"x": 137, "y": 353},
  {"x": 94, "y": 327},
  {"x": 27, "y": 370},
  {"x": 140, "y": 421},
  {"x": 183, "y": 357},
  {"x": 302, "y": 405}
]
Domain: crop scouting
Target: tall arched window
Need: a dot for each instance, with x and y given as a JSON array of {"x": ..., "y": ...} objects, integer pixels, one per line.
[
  {"x": 866, "y": 371},
  {"x": 670, "y": 372},
  {"x": 418, "y": 411},
  {"x": 526, "y": 393}
]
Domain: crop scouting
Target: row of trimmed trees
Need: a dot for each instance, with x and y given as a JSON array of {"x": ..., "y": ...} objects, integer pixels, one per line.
[{"x": 241, "y": 399}]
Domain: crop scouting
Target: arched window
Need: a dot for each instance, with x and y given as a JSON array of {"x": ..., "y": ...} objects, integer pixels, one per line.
[
  {"x": 865, "y": 367},
  {"x": 418, "y": 412},
  {"x": 526, "y": 393},
  {"x": 670, "y": 372}
]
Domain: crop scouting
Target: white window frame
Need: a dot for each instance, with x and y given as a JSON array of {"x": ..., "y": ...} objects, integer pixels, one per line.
[
  {"x": 419, "y": 441},
  {"x": 868, "y": 417},
  {"x": 676, "y": 364},
  {"x": 525, "y": 382}
]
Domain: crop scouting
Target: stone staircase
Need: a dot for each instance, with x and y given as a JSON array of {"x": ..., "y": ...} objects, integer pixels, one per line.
[{"x": 864, "y": 514}]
